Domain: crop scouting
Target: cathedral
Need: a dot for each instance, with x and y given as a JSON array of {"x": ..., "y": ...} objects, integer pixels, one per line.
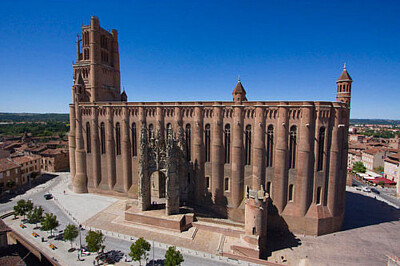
[{"x": 258, "y": 163}]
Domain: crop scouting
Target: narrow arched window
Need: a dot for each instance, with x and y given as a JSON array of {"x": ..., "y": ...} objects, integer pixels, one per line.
[
  {"x": 134, "y": 140},
  {"x": 188, "y": 134},
  {"x": 270, "y": 145},
  {"x": 247, "y": 147},
  {"x": 321, "y": 141},
  {"x": 169, "y": 130},
  {"x": 207, "y": 138},
  {"x": 227, "y": 141},
  {"x": 318, "y": 199},
  {"x": 118, "y": 138},
  {"x": 88, "y": 140},
  {"x": 290, "y": 192},
  {"x": 292, "y": 147},
  {"x": 151, "y": 131},
  {"x": 226, "y": 184},
  {"x": 207, "y": 182},
  {"x": 103, "y": 138},
  {"x": 268, "y": 187}
]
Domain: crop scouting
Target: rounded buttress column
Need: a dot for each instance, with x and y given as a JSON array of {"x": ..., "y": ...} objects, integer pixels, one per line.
[
  {"x": 95, "y": 147},
  {"x": 217, "y": 163},
  {"x": 280, "y": 181},
  {"x": 237, "y": 158},
  {"x": 80, "y": 179},
  {"x": 71, "y": 141},
  {"x": 259, "y": 149},
  {"x": 334, "y": 166},
  {"x": 304, "y": 173},
  {"x": 126, "y": 151},
  {"x": 110, "y": 149},
  {"x": 198, "y": 157}
]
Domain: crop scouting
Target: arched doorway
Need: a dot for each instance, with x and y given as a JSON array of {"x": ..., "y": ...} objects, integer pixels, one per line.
[{"x": 157, "y": 180}]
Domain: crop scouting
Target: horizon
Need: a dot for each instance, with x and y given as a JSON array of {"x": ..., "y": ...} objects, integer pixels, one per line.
[{"x": 187, "y": 51}]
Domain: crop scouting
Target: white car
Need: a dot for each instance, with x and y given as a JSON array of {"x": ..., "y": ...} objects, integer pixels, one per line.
[{"x": 366, "y": 189}]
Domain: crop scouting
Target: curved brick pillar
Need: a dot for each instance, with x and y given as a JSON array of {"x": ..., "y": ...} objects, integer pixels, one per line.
[
  {"x": 80, "y": 179},
  {"x": 259, "y": 149},
  {"x": 71, "y": 141},
  {"x": 110, "y": 149},
  {"x": 280, "y": 180},
  {"x": 95, "y": 147},
  {"x": 304, "y": 170},
  {"x": 126, "y": 151},
  {"x": 334, "y": 165},
  {"x": 198, "y": 157},
  {"x": 237, "y": 158},
  {"x": 160, "y": 121},
  {"x": 217, "y": 160}
]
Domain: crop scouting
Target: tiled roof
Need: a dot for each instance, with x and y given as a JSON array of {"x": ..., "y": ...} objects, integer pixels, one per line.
[
  {"x": 53, "y": 151},
  {"x": 372, "y": 151},
  {"x": 7, "y": 164},
  {"x": 25, "y": 159}
]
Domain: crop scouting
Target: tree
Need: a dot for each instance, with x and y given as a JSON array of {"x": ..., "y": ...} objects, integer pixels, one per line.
[
  {"x": 94, "y": 241},
  {"x": 70, "y": 233},
  {"x": 173, "y": 257},
  {"x": 35, "y": 215},
  {"x": 379, "y": 169},
  {"x": 23, "y": 207},
  {"x": 10, "y": 184},
  {"x": 139, "y": 250},
  {"x": 359, "y": 167},
  {"x": 49, "y": 223}
]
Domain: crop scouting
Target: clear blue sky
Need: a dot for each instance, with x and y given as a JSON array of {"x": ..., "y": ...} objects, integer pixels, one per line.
[{"x": 195, "y": 50}]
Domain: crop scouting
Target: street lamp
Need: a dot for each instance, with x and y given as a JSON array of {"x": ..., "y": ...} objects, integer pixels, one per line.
[{"x": 80, "y": 240}]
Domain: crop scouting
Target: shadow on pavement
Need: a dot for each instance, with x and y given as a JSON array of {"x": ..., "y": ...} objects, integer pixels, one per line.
[
  {"x": 364, "y": 211},
  {"x": 158, "y": 262},
  {"x": 7, "y": 197}
]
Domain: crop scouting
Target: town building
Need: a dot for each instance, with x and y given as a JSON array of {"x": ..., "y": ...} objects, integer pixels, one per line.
[
  {"x": 373, "y": 158},
  {"x": 249, "y": 161},
  {"x": 54, "y": 160},
  {"x": 30, "y": 167},
  {"x": 353, "y": 157},
  {"x": 10, "y": 174},
  {"x": 392, "y": 168}
]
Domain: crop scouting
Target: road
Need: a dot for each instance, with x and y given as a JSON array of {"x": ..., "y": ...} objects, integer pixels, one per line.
[{"x": 112, "y": 244}]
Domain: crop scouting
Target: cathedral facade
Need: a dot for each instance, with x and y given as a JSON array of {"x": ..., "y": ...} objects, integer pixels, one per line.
[{"x": 240, "y": 159}]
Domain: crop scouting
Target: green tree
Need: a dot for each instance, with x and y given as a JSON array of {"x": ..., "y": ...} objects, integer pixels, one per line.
[
  {"x": 23, "y": 207},
  {"x": 94, "y": 241},
  {"x": 379, "y": 169},
  {"x": 35, "y": 215},
  {"x": 10, "y": 184},
  {"x": 173, "y": 257},
  {"x": 359, "y": 167},
  {"x": 139, "y": 250},
  {"x": 70, "y": 233},
  {"x": 49, "y": 223}
]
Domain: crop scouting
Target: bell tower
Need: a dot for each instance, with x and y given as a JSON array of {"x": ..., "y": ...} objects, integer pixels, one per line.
[
  {"x": 239, "y": 94},
  {"x": 343, "y": 84},
  {"x": 97, "y": 63}
]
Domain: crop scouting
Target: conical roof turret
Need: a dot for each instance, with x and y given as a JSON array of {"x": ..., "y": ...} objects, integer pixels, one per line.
[
  {"x": 239, "y": 93},
  {"x": 345, "y": 75}
]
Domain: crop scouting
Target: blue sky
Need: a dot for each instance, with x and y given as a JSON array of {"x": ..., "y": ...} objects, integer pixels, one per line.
[{"x": 195, "y": 50}]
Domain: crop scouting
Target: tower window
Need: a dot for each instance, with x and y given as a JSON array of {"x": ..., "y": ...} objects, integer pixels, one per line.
[
  {"x": 103, "y": 138},
  {"x": 269, "y": 187},
  {"x": 226, "y": 184},
  {"x": 151, "y": 131},
  {"x": 321, "y": 141},
  {"x": 134, "y": 140},
  {"x": 270, "y": 145},
  {"x": 291, "y": 192},
  {"x": 227, "y": 140},
  {"x": 318, "y": 200},
  {"x": 292, "y": 147},
  {"x": 169, "y": 130},
  {"x": 88, "y": 140},
  {"x": 207, "y": 182},
  {"x": 207, "y": 138},
  {"x": 118, "y": 138},
  {"x": 188, "y": 142},
  {"x": 247, "y": 146}
]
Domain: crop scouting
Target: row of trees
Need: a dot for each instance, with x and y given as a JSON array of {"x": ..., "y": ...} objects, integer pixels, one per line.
[
  {"x": 37, "y": 129},
  {"x": 139, "y": 250}
]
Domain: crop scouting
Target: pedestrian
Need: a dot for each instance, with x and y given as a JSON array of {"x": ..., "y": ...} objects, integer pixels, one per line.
[{"x": 64, "y": 192}]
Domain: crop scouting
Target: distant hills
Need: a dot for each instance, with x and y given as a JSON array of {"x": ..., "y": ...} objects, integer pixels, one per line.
[
  {"x": 32, "y": 117},
  {"x": 35, "y": 117}
]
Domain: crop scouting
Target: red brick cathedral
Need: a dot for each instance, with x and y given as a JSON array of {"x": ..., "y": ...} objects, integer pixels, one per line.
[{"x": 254, "y": 162}]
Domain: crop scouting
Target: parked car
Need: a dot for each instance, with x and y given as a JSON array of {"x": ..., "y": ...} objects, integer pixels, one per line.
[
  {"x": 375, "y": 191},
  {"x": 48, "y": 196},
  {"x": 366, "y": 189}
]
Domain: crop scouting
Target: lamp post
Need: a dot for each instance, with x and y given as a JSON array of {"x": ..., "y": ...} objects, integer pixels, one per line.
[{"x": 80, "y": 240}]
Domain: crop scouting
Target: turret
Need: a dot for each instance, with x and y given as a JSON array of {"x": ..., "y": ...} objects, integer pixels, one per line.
[
  {"x": 239, "y": 94},
  {"x": 344, "y": 87}
]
